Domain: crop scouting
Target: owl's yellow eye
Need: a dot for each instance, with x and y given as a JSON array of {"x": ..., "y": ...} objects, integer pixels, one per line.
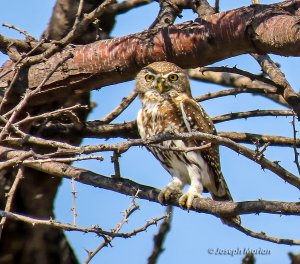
[
  {"x": 173, "y": 77},
  {"x": 149, "y": 78}
]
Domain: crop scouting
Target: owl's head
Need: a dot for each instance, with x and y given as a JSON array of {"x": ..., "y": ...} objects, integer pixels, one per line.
[{"x": 162, "y": 78}]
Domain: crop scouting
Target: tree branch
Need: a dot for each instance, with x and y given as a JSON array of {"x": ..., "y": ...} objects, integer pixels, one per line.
[
  {"x": 284, "y": 88},
  {"x": 206, "y": 205},
  {"x": 241, "y": 84},
  {"x": 69, "y": 227},
  {"x": 250, "y": 138},
  {"x": 254, "y": 113},
  {"x": 160, "y": 237},
  {"x": 111, "y": 61},
  {"x": 10, "y": 196}
]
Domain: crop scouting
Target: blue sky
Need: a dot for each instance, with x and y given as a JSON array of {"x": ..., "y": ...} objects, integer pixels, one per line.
[{"x": 192, "y": 234}]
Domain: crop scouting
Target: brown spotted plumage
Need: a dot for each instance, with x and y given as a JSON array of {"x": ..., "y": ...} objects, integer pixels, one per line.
[{"x": 168, "y": 106}]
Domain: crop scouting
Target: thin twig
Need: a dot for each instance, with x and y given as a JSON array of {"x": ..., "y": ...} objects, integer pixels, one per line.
[
  {"x": 278, "y": 79},
  {"x": 115, "y": 161},
  {"x": 241, "y": 83},
  {"x": 74, "y": 208},
  {"x": 29, "y": 94},
  {"x": 64, "y": 160},
  {"x": 187, "y": 149},
  {"x": 17, "y": 67},
  {"x": 81, "y": 25},
  {"x": 10, "y": 196},
  {"x": 265, "y": 237},
  {"x": 76, "y": 31},
  {"x": 22, "y": 31},
  {"x": 126, "y": 214},
  {"x": 296, "y": 153},
  {"x": 260, "y": 151},
  {"x": 126, "y": 101},
  {"x": 69, "y": 227},
  {"x": 235, "y": 70},
  {"x": 17, "y": 71},
  {"x": 253, "y": 113},
  {"x": 234, "y": 92},
  {"x": 127, "y": 5},
  {"x": 51, "y": 114},
  {"x": 249, "y": 138},
  {"x": 78, "y": 14}
]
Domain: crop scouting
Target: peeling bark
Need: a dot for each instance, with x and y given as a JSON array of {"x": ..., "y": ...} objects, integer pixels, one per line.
[{"x": 191, "y": 44}]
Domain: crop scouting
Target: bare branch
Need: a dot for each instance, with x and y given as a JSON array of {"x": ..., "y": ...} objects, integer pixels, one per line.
[
  {"x": 115, "y": 161},
  {"x": 10, "y": 196},
  {"x": 240, "y": 149},
  {"x": 128, "y": 187},
  {"x": 241, "y": 84},
  {"x": 22, "y": 31},
  {"x": 65, "y": 160},
  {"x": 251, "y": 138},
  {"x": 126, "y": 214},
  {"x": 222, "y": 93},
  {"x": 193, "y": 36},
  {"x": 95, "y": 129},
  {"x": 51, "y": 114},
  {"x": 285, "y": 89},
  {"x": 168, "y": 12},
  {"x": 254, "y": 113},
  {"x": 248, "y": 259},
  {"x": 74, "y": 208},
  {"x": 69, "y": 227},
  {"x": 124, "y": 6},
  {"x": 264, "y": 236},
  {"x": 296, "y": 153},
  {"x": 28, "y": 95},
  {"x": 120, "y": 108},
  {"x": 160, "y": 237},
  {"x": 235, "y": 70}
]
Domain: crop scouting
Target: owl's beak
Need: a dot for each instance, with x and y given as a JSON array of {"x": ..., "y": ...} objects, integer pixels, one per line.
[{"x": 161, "y": 84}]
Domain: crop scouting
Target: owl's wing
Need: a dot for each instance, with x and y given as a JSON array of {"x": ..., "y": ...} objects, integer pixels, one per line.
[{"x": 196, "y": 119}]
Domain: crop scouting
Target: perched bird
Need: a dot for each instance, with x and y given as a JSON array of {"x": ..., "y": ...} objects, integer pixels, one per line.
[{"x": 168, "y": 106}]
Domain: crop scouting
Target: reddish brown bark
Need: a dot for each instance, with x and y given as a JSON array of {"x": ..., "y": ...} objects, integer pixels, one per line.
[{"x": 259, "y": 28}]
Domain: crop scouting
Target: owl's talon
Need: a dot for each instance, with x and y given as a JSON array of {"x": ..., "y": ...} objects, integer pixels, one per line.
[
  {"x": 187, "y": 199},
  {"x": 167, "y": 194}
]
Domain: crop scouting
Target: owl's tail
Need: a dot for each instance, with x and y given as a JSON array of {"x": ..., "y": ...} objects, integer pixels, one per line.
[{"x": 226, "y": 196}]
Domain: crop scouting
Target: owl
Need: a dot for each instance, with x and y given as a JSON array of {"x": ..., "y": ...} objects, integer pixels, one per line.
[{"x": 168, "y": 106}]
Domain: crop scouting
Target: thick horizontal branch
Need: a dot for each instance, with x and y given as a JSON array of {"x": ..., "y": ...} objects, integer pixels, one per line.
[
  {"x": 128, "y": 187},
  {"x": 190, "y": 44}
]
